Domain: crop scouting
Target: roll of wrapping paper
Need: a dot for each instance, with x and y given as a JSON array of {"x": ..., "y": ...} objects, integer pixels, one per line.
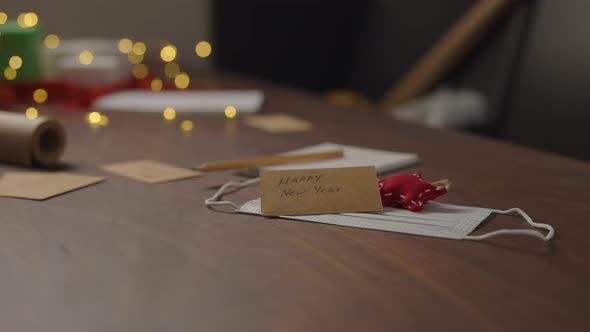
[{"x": 37, "y": 142}]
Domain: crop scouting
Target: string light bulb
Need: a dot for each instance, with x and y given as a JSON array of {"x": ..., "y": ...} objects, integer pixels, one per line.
[
  {"x": 15, "y": 62},
  {"x": 27, "y": 20},
  {"x": 31, "y": 113},
  {"x": 134, "y": 58},
  {"x": 171, "y": 69},
  {"x": 140, "y": 71},
  {"x": 30, "y": 19},
  {"x": 3, "y": 17},
  {"x": 169, "y": 113},
  {"x": 51, "y": 41},
  {"x": 9, "y": 73},
  {"x": 93, "y": 118},
  {"x": 168, "y": 53},
  {"x": 125, "y": 45},
  {"x": 156, "y": 85},
  {"x": 203, "y": 49},
  {"x": 20, "y": 20},
  {"x": 104, "y": 120},
  {"x": 139, "y": 48},
  {"x": 86, "y": 57},
  {"x": 231, "y": 112},
  {"x": 187, "y": 125},
  {"x": 182, "y": 81},
  {"x": 40, "y": 96}
]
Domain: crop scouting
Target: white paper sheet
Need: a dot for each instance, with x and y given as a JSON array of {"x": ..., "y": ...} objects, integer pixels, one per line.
[
  {"x": 354, "y": 156},
  {"x": 187, "y": 101}
]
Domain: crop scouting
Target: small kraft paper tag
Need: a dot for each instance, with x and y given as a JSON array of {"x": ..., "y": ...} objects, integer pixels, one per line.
[
  {"x": 43, "y": 185},
  {"x": 150, "y": 171},
  {"x": 278, "y": 123},
  {"x": 316, "y": 191}
]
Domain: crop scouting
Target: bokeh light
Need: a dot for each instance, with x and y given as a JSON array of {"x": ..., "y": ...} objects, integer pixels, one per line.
[
  {"x": 187, "y": 125},
  {"x": 51, "y": 41},
  {"x": 168, "y": 53},
  {"x": 27, "y": 20},
  {"x": 9, "y": 73},
  {"x": 182, "y": 81},
  {"x": 125, "y": 46},
  {"x": 171, "y": 69},
  {"x": 156, "y": 85},
  {"x": 3, "y": 17},
  {"x": 40, "y": 96},
  {"x": 229, "y": 127},
  {"x": 104, "y": 120},
  {"x": 86, "y": 57},
  {"x": 203, "y": 49},
  {"x": 31, "y": 113},
  {"x": 231, "y": 112},
  {"x": 139, "y": 48},
  {"x": 20, "y": 19},
  {"x": 135, "y": 58},
  {"x": 93, "y": 117},
  {"x": 169, "y": 113},
  {"x": 30, "y": 19},
  {"x": 140, "y": 71},
  {"x": 15, "y": 62}
]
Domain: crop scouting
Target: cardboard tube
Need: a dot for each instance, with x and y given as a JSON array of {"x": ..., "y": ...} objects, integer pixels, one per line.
[{"x": 37, "y": 142}]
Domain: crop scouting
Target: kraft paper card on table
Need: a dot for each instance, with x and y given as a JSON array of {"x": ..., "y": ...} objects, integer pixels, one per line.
[
  {"x": 315, "y": 191},
  {"x": 43, "y": 185},
  {"x": 278, "y": 123},
  {"x": 150, "y": 171}
]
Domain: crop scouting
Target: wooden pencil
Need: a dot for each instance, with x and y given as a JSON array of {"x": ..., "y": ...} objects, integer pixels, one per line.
[{"x": 269, "y": 160}]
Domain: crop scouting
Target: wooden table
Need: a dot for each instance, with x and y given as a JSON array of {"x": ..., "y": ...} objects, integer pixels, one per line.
[{"x": 127, "y": 256}]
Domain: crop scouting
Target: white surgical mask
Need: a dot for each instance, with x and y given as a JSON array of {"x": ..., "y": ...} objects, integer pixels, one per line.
[{"x": 436, "y": 220}]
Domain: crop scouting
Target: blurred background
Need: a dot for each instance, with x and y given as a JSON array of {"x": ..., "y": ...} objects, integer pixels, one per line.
[{"x": 522, "y": 78}]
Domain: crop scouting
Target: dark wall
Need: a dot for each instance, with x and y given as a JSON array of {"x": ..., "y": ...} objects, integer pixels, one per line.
[
  {"x": 533, "y": 66},
  {"x": 303, "y": 43},
  {"x": 398, "y": 33},
  {"x": 361, "y": 45},
  {"x": 550, "y": 103},
  {"x": 395, "y": 34}
]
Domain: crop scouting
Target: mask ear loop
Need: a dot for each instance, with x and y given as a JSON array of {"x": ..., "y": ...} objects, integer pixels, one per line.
[
  {"x": 529, "y": 232},
  {"x": 214, "y": 200}
]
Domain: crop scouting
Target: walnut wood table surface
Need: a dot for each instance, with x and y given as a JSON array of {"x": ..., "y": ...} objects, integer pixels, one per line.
[{"x": 128, "y": 256}]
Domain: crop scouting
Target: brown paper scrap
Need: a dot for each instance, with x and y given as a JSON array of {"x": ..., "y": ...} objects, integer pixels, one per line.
[
  {"x": 43, "y": 185},
  {"x": 150, "y": 171},
  {"x": 278, "y": 123}
]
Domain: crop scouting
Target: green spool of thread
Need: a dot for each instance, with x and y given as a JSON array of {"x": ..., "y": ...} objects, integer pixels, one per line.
[{"x": 24, "y": 43}]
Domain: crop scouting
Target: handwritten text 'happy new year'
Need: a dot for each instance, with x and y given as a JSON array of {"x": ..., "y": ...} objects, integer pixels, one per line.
[{"x": 314, "y": 180}]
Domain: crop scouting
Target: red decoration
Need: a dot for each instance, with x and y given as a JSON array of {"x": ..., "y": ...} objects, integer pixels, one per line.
[
  {"x": 408, "y": 191},
  {"x": 75, "y": 97}
]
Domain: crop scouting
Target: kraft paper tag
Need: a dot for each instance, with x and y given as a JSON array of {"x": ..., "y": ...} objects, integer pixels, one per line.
[
  {"x": 43, "y": 185},
  {"x": 316, "y": 191},
  {"x": 150, "y": 171},
  {"x": 278, "y": 123}
]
